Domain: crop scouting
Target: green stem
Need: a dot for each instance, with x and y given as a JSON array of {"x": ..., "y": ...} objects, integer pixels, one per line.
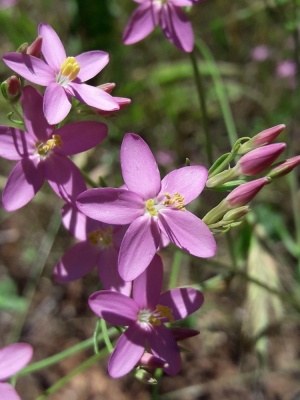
[
  {"x": 106, "y": 339},
  {"x": 89, "y": 180},
  {"x": 201, "y": 95},
  {"x": 64, "y": 354},
  {"x": 175, "y": 269},
  {"x": 82, "y": 367},
  {"x": 96, "y": 335},
  {"x": 16, "y": 111},
  {"x": 155, "y": 388}
]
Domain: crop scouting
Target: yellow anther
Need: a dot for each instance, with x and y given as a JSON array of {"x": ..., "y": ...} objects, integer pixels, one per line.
[
  {"x": 70, "y": 68},
  {"x": 154, "y": 321},
  {"x": 43, "y": 149},
  {"x": 165, "y": 312},
  {"x": 177, "y": 200},
  {"x": 150, "y": 206},
  {"x": 104, "y": 237}
]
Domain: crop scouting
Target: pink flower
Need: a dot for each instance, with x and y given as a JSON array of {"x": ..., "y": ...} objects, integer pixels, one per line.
[
  {"x": 63, "y": 76},
  {"x": 151, "y": 207},
  {"x": 13, "y": 358},
  {"x": 42, "y": 152},
  {"x": 145, "y": 314},
  {"x": 260, "y": 53},
  {"x": 244, "y": 193},
  {"x": 8, "y": 3},
  {"x": 166, "y": 13},
  {"x": 286, "y": 69}
]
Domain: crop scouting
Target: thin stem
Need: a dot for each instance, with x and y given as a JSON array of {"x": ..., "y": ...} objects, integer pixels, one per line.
[
  {"x": 201, "y": 95},
  {"x": 106, "y": 339},
  {"x": 82, "y": 367},
  {"x": 155, "y": 388},
  {"x": 16, "y": 111},
  {"x": 96, "y": 335},
  {"x": 64, "y": 354},
  {"x": 175, "y": 269}
]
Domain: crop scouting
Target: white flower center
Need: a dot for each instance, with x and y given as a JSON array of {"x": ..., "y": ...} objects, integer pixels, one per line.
[
  {"x": 68, "y": 71},
  {"x": 147, "y": 317}
]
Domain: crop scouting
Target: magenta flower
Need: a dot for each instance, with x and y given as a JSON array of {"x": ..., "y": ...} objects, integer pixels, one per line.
[
  {"x": 144, "y": 315},
  {"x": 13, "y": 358},
  {"x": 63, "y": 76},
  {"x": 166, "y": 13},
  {"x": 151, "y": 207},
  {"x": 42, "y": 152}
]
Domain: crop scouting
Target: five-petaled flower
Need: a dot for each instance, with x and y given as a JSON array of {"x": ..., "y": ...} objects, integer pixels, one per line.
[
  {"x": 63, "y": 76},
  {"x": 145, "y": 314},
  {"x": 42, "y": 152},
  {"x": 13, "y": 358},
  {"x": 166, "y": 13},
  {"x": 151, "y": 207}
]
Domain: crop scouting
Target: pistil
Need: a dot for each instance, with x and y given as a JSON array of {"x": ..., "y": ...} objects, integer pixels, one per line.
[{"x": 43, "y": 149}]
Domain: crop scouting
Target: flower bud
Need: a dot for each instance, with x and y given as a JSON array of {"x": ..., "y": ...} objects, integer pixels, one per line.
[
  {"x": 122, "y": 101},
  {"x": 284, "y": 167},
  {"x": 11, "y": 89},
  {"x": 261, "y": 139},
  {"x": 183, "y": 333},
  {"x": 107, "y": 87},
  {"x": 222, "y": 177},
  {"x": 149, "y": 360},
  {"x": 23, "y": 48},
  {"x": 236, "y": 213},
  {"x": 144, "y": 376},
  {"x": 259, "y": 159},
  {"x": 35, "y": 49},
  {"x": 243, "y": 194}
]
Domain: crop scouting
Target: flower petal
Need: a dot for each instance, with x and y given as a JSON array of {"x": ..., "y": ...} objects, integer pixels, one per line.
[
  {"x": 188, "y": 181},
  {"x": 112, "y": 206},
  {"x": 182, "y": 301},
  {"x": 80, "y": 136},
  {"x": 148, "y": 285},
  {"x": 15, "y": 144},
  {"x": 77, "y": 262},
  {"x": 139, "y": 168},
  {"x": 183, "y": 333},
  {"x": 31, "y": 68},
  {"x": 35, "y": 121},
  {"x": 177, "y": 27},
  {"x": 52, "y": 47},
  {"x": 91, "y": 63},
  {"x": 164, "y": 346},
  {"x": 114, "y": 307},
  {"x": 93, "y": 96},
  {"x": 57, "y": 103},
  {"x": 63, "y": 176},
  {"x": 7, "y": 392},
  {"x": 142, "y": 22},
  {"x": 13, "y": 358},
  {"x": 188, "y": 232},
  {"x": 138, "y": 247},
  {"x": 24, "y": 181},
  {"x": 127, "y": 353},
  {"x": 76, "y": 222},
  {"x": 108, "y": 272}
]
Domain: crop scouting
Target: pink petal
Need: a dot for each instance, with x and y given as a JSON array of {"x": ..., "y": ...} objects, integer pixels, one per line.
[
  {"x": 93, "y": 96},
  {"x": 63, "y": 176},
  {"x": 114, "y": 307},
  {"x": 177, "y": 27},
  {"x": 35, "y": 121},
  {"x": 13, "y": 358},
  {"x": 188, "y": 232},
  {"x": 127, "y": 353},
  {"x": 80, "y": 136},
  {"x": 188, "y": 181},
  {"x": 145, "y": 292},
  {"x": 76, "y": 222},
  {"x": 181, "y": 3},
  {"x": 142, "y": 22},
  {"x": 52, "y": 47},
  {"x": 7, "y": 392},
  {"x": 108, "y": 272},
  {"x": 139, "y": 168},
  {"x": 138, "y": 247},
  {"x": 91, "y": 63},
  {"x": 31, "y": 68},
  {"x": 57, "y": 103},
  {"x": 164, "y": 346},
  {"x": 112, "y": 206},
  {"x": 23, "y": 183},
  {"x": 15, "y": 144},
  {"x": 77, "y": 262},
  {"x": 182, "y": 301}
]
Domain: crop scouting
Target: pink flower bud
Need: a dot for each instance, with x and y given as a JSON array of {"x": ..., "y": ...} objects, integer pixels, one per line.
[
  {"x": 259, "y": 159},
  {"x": 35, "y": 49},
  {"x": 11, "y": 89},
  {"x": 284, "y": 168},
  {"x": 244, "y": 193},
  {"x": 261, "y": 139},
  {"x": 107, "y": 87},
  {"x": 183, "y": 333},
  {"x": 149, "y": 360},
  {"x": 122, "y": 101}
]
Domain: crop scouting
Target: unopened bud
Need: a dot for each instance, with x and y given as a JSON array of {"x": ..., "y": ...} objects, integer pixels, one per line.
[
  {"x": 11, "y": 89},
  {"x": 149, "y": 360},
  {"x": 35, "y": 49},
  {"x": 183, "y": 333},
  {"x": 107, "y": 87},
  {"x": 236, "y": 214},
  {"x": 221, "y": 178},
  {"x": 243, "y": 194},
  {"x": 144, "y": 376},
  {"x": 259, "y": 159},
  {"x": 23, "y": 48},
  {"x": 284, "y": 167},
  {"x": 122, "y": 102},
  {"x": 261, "y": 139}
]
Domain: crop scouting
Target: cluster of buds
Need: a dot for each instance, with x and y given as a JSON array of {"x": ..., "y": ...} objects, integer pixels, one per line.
[{"x": 257, "y": 157}]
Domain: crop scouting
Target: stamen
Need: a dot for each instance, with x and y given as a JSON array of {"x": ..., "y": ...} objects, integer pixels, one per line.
[
  {"x": 177, "y": 200},
  {"x": 70, "y": 68},
  {"x": 43, "y": 149},
  {"x": 150, "y": 207},
  {"x": 161, "y": 312},
  {"x": 104, "y": 237}
]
